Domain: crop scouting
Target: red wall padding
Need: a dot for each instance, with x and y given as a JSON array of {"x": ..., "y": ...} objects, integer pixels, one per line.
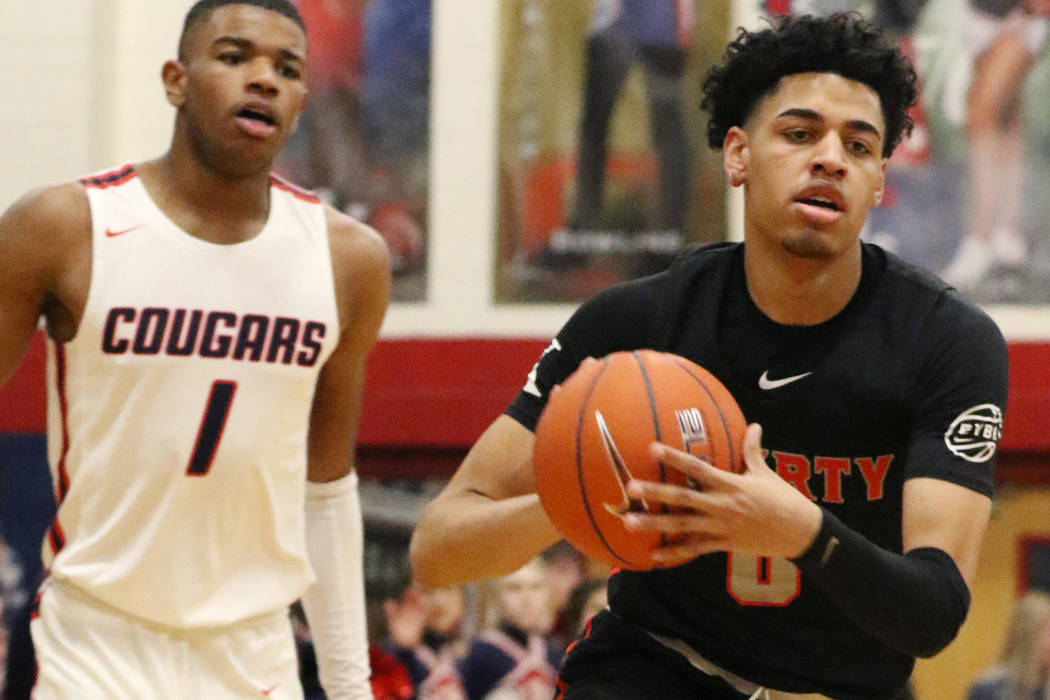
[{"x": 443, "y": 392}]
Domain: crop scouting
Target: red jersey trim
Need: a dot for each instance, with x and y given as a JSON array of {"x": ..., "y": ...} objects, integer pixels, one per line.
[
  {"x": 62, "y": 475},
  {"x": 110, "y": 178},
  {"x": 294, "y": 190}
]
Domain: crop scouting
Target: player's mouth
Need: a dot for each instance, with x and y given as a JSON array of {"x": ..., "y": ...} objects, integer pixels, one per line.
[
  {"x": 256, "y": 120},
  {"x": 820, "y": 204}
]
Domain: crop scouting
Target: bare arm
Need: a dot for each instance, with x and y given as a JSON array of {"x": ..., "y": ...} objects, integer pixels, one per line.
[
  {"x": 946, "y": 516},
  {"x": 44, "y": 268},
  {"x": 488, "y": 520},
  {"x": 361, "y": 266},
  {"x": 335, "y": 603}
]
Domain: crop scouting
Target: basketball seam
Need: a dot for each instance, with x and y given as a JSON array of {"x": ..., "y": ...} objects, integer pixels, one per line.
[
  {"x": 721, "y": 416},
  {"x": 656, "y": 426}
]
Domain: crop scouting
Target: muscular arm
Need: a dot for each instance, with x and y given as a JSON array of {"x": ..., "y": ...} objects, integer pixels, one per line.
[
  {"x": 488, "y": 520},
  {"x": 44, "y": 268},
  {"x": 335, "y": 603},
  {"x": 913, "y": 602},
  {"x": 361, "y": 267}
]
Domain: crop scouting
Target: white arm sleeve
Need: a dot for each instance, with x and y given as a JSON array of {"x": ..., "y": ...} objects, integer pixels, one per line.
[{"x": 335, "y": 603}]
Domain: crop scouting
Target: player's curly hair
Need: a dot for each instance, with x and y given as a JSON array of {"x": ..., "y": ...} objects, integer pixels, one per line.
[{"x": 845, "y": 44}]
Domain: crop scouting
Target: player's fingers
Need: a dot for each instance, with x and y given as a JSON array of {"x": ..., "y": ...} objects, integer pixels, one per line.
[
  {"x": 753, "y": 448},
  {"x": 703, "y": 472},
  {"x": 686, "y": 549},
  {"x": 668, "y": 494},
  {"x": 692, "y": 524}
]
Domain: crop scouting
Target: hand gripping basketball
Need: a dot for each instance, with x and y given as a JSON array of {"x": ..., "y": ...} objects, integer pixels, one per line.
[{"x": 594, "y": 436}]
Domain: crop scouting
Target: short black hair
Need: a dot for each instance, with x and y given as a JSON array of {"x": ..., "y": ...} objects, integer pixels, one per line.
[
  {"x": 202, "y": 9},
  {"x": 842, "y": 43}
]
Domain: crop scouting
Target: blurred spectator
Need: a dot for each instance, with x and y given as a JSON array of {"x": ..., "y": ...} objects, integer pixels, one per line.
[
  {"x": 566, "y": 568},
  {"x": 1023, "y": 669},
  {"x": 587, "y": 598},
  {"x": 1006, "y": 37},
  {"x": 424, "y": 635},
  {"x": 516, "y": 657},
  {"x": 390, "y": 680}
]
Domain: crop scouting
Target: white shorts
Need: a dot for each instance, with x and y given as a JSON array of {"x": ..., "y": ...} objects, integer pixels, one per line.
[
  {"x": 86, "y": 649},
  {"x": 983, "y": 28}
]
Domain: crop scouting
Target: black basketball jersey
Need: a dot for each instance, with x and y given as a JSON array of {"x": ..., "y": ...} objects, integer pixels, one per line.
[{"x": 908, "y": 380}]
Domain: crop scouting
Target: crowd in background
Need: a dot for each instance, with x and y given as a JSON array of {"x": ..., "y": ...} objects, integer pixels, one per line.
[{"x": 503, "y": 640}]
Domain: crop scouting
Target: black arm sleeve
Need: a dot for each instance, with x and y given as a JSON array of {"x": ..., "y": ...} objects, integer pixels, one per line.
[{"x": 915, "y": 602}]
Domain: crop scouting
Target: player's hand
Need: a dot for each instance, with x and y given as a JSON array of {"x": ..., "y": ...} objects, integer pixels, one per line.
[{"x": 755, "y": 511}]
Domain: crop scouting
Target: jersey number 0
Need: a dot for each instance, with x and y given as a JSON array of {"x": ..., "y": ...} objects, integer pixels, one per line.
[{"x": 755, "y": 580}]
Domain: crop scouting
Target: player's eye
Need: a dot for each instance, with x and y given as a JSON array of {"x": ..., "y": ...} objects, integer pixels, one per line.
[
  {"x": 231, "y": 58},
  {"x": 860, "y": 148},
  {"x": 290, "y": 72},
  {"x": 796, "y": 135}
]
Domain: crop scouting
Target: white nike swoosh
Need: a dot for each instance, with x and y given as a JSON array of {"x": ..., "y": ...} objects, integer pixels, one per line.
[
  {"x": 620, "y": 472},
  {"x": 765, "y": 383}
]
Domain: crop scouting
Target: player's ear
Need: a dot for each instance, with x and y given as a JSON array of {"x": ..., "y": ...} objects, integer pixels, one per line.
[
  {"x": 881, "y": 189},
  {"x": 735, "y": 155},
  {"x": 173, "y": 74}
]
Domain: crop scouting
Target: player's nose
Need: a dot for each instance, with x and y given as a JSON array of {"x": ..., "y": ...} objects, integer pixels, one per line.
[
  {"x": 262, "y": 76},
  {"x": 829, "y": 155}
]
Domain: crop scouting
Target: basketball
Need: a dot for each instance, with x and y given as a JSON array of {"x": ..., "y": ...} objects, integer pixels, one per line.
[{"x": 594, "y": 435}]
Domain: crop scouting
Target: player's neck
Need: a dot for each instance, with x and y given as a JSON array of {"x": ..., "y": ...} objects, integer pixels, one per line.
[
  {"x": 797, "y": 291},
  {"x": 205, "y": 203}
]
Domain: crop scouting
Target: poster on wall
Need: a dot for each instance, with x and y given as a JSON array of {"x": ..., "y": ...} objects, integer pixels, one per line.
[
  {"x": 363, "y": 140},
  {"x": 965, "y": 195},
  {"x": 604, "y": 174}
]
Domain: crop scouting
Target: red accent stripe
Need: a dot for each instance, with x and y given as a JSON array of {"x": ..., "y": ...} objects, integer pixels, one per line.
[
  {"x": 111, "y": 178},
  {"x": 56, "y": 537},
  {"x": 62, "y": 476},
  {"x": 294, "y": 190}
]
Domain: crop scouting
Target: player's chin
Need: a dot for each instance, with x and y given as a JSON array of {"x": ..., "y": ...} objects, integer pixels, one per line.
[{"x": 812, "y": 244}]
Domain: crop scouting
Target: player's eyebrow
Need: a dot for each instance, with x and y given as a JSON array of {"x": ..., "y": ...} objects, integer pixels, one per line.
[
  {"x": 813, "y": 115},
  {"x": 245, "y": 44}
]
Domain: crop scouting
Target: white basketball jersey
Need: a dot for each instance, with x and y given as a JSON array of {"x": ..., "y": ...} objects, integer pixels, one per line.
[{"x": 178, "y": 415}]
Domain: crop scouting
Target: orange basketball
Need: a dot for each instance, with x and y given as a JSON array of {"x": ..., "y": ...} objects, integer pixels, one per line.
[{"x": 594, "y": 435}]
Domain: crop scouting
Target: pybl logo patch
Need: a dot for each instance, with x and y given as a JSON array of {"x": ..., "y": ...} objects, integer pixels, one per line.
[{"x": 974, "y": 434}]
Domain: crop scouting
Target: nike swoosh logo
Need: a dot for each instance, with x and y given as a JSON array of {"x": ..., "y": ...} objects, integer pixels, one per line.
[
  {"x": 766, "y": 384},
  {"x": 620, "y": 472},
  {"x": 110, "y": 233},
  {"x": 271, "y": 688}
]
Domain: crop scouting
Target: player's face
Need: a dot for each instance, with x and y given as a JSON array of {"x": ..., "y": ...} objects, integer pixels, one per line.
[
  {"x": 810, "y": 162},
  {"x": 525, "y": 598},
  {"x": 241, "y": 86}
]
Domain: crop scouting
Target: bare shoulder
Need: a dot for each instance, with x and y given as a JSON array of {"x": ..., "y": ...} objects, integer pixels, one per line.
[
  {"x": 48, "y": 215},
  {"x": 46, "y": 237},
  {"x": 361, "y": 269},
  {"x": 45, "y": 267},
  {"x": 356, "y": 244}
]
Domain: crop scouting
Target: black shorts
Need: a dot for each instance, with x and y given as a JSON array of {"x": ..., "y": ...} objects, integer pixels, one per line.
[{"x": 617, "y": 661}]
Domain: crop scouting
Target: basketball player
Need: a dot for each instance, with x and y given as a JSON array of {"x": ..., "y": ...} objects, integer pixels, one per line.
[
  {"x": 208, "y": 325},
  {"x": 846, "y": 547}
]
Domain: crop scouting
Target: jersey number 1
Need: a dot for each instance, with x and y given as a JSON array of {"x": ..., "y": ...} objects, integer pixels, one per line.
[{"x": 212, "y": 424}]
